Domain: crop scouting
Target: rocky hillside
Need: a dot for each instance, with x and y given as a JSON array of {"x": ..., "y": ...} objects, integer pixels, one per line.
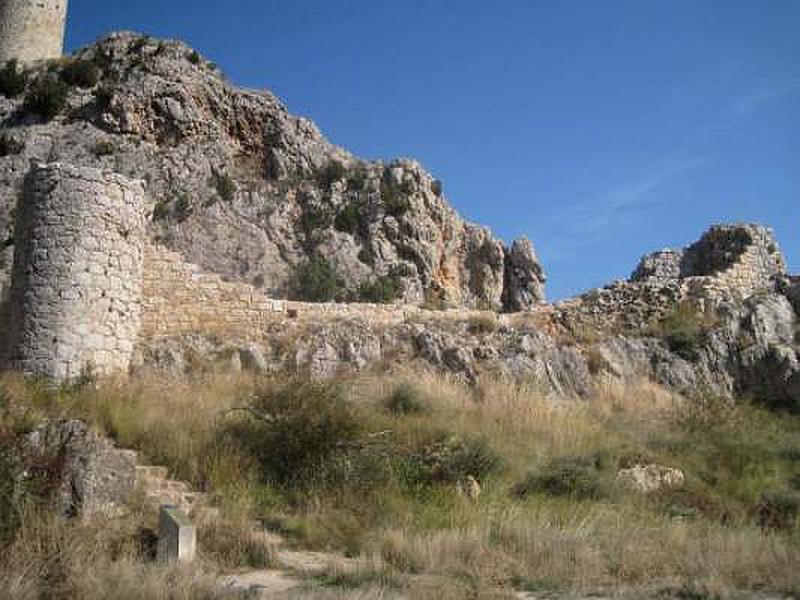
[
  {"x": 245, "y": 189},
  {"x": 724, "y": 324}
]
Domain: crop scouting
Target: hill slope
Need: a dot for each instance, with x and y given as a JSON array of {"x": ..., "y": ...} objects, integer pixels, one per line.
[{"x": 245, "y": 189}]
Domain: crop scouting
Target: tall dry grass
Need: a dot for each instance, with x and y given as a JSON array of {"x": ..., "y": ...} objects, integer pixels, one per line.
[{"x": 706, "y": 539}]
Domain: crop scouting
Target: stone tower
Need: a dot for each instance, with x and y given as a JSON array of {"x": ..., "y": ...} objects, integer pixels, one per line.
[
  {"x": 77, "y": 277},
  {"x": 32, "y": 30}
]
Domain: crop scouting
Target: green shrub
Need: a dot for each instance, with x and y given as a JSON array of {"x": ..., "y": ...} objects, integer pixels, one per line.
[
  {"x": 225, "y": 186},
  {"x": 482, "y": 324},
  {"x": 47, "y": 98},
  {"x": 576, "y": 477},
  {"x": 394, "y": 196},
  {"x": 366, "y": 257},
  {"x": 405, "y": 399},
  {"x": 395, "y": 202},
  {"x": 104, "y": 148},
  {"x": 449, "y": 458},
  {"x": 301, "y": 433},
  {"x": 9, "y": 513},
  {"x": 332, "y": 172},
  {"x": 384, "y": 289},
  {"x": 103, "y": 97},
  {"x": 314, "y": 220},
  {"x": 778, "y": 510},
  {"x": 138, "y": 44},
  {"x": 193, "y": 57},
  {"x": 357, "y": 179},
  {"x": 437, "y": 188},
  {"x": 10, "y": 145},
  {"x": 348, "y": 220},
  {"x": 81, "y": 73},
  {"x": 13, "y": 80},
  {"x": 315, "y": 280},
  {"x": 179, "y": 206},
  {"x": 684, "y": 332}
]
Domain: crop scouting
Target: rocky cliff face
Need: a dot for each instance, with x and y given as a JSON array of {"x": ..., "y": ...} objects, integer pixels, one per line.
[{"x": 247, "y": 190}]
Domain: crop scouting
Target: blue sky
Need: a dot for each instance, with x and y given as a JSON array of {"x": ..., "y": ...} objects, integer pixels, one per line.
[{"x": 601, "y": 129}]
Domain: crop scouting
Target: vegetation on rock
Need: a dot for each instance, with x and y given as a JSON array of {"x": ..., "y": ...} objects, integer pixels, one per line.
[
  {"x": 13, "y": 79},
  {"x": 315, "y": 280},
  {"x": 47, "y": 97}
]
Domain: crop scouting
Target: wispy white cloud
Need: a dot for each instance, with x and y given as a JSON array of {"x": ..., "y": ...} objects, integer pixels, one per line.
[
  {"x": 749, "y": 103},
  {"x": 614, "y": 205}
]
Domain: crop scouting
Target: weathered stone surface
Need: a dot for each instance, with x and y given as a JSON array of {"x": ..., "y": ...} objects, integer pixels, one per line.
[
  {"x": 333, "y": 348},
  {"x": 76, "y": 291},
  {"x": 792, "y": 292},
  {"x": 659, "y": 268},
  {"x": 646, "y": 479},
  {"x": 32, "y": 31},
  {"x": 525, "y": 278},
  {"x": 745, "y": 256},
  {"x": 91, "y": 476}
]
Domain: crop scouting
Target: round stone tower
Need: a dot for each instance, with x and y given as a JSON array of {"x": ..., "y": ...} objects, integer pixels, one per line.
[
  {"x": 32, "y": 30},
  {"x": 76, "y": 285}
]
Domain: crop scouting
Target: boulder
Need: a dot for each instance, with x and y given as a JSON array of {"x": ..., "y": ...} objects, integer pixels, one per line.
[
  {"x": 646, "y": 479},
  {"x": 88, "y": 473}
]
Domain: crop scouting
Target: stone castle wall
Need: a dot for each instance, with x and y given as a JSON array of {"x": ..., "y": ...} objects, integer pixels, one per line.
[
  {"x": 32, "y": 30},
  {"x": 743, "y": 256},
  {"x": 180, "y": 298},
  {"x": 728, "y": 263},
  {"x": 88, "y": 285},
  {"x": 75, "y": 300}
]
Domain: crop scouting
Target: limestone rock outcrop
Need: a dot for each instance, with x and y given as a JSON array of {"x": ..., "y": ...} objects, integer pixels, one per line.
[
  {"x": 248, "y": 191},
  {"x": 646, "y": 479},
  {"x": 525, "y": 278},
  {"x": 89, "y": 475}
]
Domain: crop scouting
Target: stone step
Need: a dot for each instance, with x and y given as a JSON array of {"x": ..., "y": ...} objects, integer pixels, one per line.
[{"x": 150, "y": 472}]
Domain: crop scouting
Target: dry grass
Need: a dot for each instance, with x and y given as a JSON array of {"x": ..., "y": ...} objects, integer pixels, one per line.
[
  {"x": 433, "y": 543},
  {"x": 54, "y": 558}
]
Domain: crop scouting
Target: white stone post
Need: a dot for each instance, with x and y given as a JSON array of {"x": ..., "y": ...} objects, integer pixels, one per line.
[{"x": 177, "y": 536}]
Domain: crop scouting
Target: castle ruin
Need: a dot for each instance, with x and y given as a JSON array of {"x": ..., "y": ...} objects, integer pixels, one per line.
[
  {"x": 32, "y": 30},
  {"x": 88, "y": 286}
]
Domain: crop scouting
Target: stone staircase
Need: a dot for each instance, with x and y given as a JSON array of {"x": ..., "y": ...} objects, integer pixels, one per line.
[{"x": 159, "y": 489}]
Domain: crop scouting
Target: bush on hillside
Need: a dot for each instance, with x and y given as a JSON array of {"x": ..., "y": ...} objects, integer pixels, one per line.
[
  {"x": 13, "y": 80},
  {"x": 405, "y": 399},
  {"x": 449, "y": 458},
  {"x": 10, "y": 145},
  {"x": 383, "y": 289},
  {"x": 225, "y": 186},
  {"x": 348, "y": 220},
  {"x": 47, "y": 98},
  {"x": 315, "y": 280},
  {"x": 395, "y": 196},
  {"x": 779, "y": 511},
  {"x": 103, "y": 97},
  {"x": 332, "y": 172},
  {"x": 576, "y": 477},
  {"x": 104, "y": 148},
  {"x": 301, "y": 433},
  {"x": 80, "y": 73},
  {"x": 684, "y": 332}
]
